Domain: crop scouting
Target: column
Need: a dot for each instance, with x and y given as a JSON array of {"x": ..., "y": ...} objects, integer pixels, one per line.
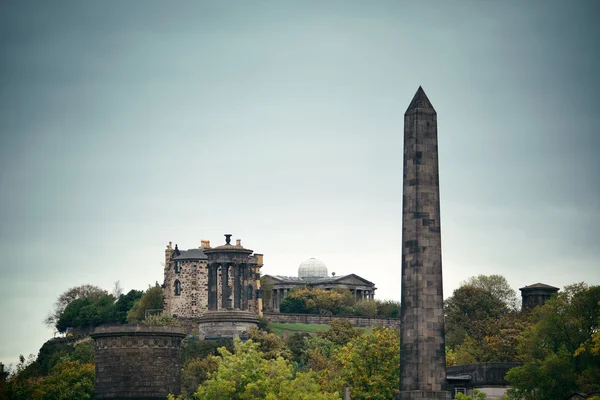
[
  {"x": 225, "y": 304},
  {"x": 237, "y": 290},
  {"x": 244, "y": 272},
  {"x": 212, "y": 287}
]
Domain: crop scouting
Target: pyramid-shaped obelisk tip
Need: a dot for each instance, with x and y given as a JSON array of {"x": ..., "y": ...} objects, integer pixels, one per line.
[{"x": 420, "y": 100}]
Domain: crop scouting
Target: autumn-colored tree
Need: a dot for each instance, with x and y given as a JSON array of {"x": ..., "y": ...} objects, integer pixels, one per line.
[
  {"x": 370, "y": 364},
  {"x": 317, "y": 301},
  {"x": 555, "y": 347},
  {"x": 497, "y": 286},
  {"x": 340, "y": 332},
  {"x": 246, "y": 374},
  {"x": 271, "y": 345}
]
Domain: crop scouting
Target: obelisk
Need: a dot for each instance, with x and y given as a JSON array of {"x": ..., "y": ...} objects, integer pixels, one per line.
[{"x": 422, "y": 351}]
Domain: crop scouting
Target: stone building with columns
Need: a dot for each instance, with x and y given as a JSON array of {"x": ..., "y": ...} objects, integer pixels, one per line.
[
  {"x": 205, "y": 279},
  {"x": 313, "y": 273}
]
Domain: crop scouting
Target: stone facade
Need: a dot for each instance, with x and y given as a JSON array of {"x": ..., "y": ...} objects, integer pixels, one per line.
[
  {"x": 137, "y": 362},
  {"x": 536, "y": 295},
  {"x": 360, "y": 287},
  {"x": 361, "y": 322},
  {"x": 193, "y": 285},
  {"x": 488, "y": 378},
  {"x": 423, "y": 366}
]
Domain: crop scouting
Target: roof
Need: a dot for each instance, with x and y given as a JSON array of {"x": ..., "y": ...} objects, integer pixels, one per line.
[
  {"x": 329, "y": 279},
  {"x": 539, "y": 286},
  {"x": 420, "y": 100},
  {"x": 191, "y": 254}
]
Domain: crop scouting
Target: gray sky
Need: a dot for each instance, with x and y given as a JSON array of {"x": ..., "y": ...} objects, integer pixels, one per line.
[{"x": 126, "y": 125}]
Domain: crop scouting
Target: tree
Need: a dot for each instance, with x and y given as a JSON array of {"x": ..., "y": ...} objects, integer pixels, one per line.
[
  {"x": 317, "y": 301},
  {"x": 388, "y": 308},
  {"x": 554, "y": 347},
  {"x": 271, "y": 345},
  {"x": 365, "y": 308},
  {"x": 340, "y": 332},
  {"x": 86, "y": 291},
  {"x": 466, "y": 310},
  {"x": 266, "y": 287},
  {"x": 152, "y": 299},
  {"x": 84, "y": 313},
  {"x": 497, "y": 286},
  {"x": 124, "y": 303},
  {"x": 370, "y": 364},
  {"x": 247, "y": 374}
]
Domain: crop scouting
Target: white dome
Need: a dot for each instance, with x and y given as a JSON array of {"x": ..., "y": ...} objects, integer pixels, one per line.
[{"x": 312, "y": 268}]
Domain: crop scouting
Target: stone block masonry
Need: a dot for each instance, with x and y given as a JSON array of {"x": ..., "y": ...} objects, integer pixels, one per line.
[
  {"x": 137, "y": 362},
  {"x": 422, "y": 354}
]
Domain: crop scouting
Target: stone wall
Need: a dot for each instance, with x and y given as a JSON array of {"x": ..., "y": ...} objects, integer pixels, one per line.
[
  {"x": 137, "y": 362},
  {"x": 193, "y": 299},
  {"x": 363, "y": 322}
]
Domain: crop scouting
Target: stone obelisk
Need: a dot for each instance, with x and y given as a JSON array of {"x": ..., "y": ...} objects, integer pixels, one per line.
[{"x": 422, "y": 351}]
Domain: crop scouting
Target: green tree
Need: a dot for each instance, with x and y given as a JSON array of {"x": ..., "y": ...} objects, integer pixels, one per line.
[
  {"x": 247, "y": 374},
  {"x": 497, "y": 286},
  {"x": 370, "y": 364},
  {"x": 365, "y": 308},
  {"x": 388, "y": 308},
  {"x": 551, "y": 348},
  {"x": 152, "y": 299},
  {"x": 86, "y": 291},
  {"x": 195, "y": 372},
  {"x": 85, "y": 312},
  {"x": 271, "y": 345},
  {"x": 340, "y": 332},
  {"x": 477, "y": 395},
  {"x": 125, "y": 303},
  {"x": 466, "y": 310}
]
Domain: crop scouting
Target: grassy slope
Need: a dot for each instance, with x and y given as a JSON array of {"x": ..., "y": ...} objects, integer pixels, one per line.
[{"x": 310, "y": 328}]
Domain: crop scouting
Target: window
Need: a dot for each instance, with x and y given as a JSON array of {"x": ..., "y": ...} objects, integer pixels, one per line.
[
  {"x": 249, "y": 292},
  {"x": 177, "y": 267},
  {"x": 194, "y": 268},
  {"x": 177, "y": 288}
]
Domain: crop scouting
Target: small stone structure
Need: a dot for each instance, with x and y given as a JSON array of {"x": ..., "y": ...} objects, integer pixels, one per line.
[
  {"x": 196, "y": 282},
  {"x": 137, "y": 362},
  {"x": 488, "y": 378},
  {"x": 536, "y": 294},
  {"x": 226, "y": 324}
]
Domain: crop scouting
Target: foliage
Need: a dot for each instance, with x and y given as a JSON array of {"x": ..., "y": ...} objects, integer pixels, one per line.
[
  {"x": 266, "y": 287},
  {"x": 477, "y": 395},
  {"x": 365, "y": 308},
  {"x": 554, "y": 347},
  {"x": 85, "y": 312},
  {"x": 497, "y": 286},
  {"x": 247, "y": 374},
  {"x": 194, "y": 348},
  {"x": 388, "y": 308},
  {"x": 493, "y": 340},
  {"x": 195, "y": 372},
  {"x": 125, "y": 303},
  {"x": 370, "y": 364},
  {"x": 279, "y": 328},
  {"x": 271, "y": 345},
  {"x": 466, "y": 309},
  {"x": 316, "y": 301},
  {"x": 87, "y": 291},
  {"x": 264, "y": 324},
  {"x": 152, "y": 299},
  {"x": 70, "y": 380},
  {"x": 296, "y": 344},
  {"x": 340, "y": 332},
  {"x": 161, "y": 319}
]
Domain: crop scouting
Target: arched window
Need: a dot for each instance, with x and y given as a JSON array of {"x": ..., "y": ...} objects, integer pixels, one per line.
[
  {"x": 177, "y": 288},
  {"x": 249, "y": 292},
  {"x": 177, "y": 267}
]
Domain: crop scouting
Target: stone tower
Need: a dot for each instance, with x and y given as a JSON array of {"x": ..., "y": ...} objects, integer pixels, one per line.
[{"x": 422, "y": 352}]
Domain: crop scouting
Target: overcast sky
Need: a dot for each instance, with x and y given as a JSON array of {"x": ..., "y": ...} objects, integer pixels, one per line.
[{"x": 126, "y": 125}]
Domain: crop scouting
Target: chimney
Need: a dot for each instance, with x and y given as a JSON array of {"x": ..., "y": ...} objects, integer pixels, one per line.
[
  {"x": 205, "y": 244},
  {"x": 238, "y": 242}
]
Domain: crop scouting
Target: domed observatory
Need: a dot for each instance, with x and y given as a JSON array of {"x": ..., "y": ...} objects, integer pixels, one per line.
[
  {"x": 313, "y": 273},
  {"x": 312, "y": 269}
]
